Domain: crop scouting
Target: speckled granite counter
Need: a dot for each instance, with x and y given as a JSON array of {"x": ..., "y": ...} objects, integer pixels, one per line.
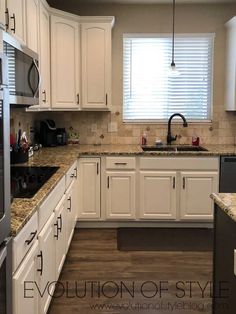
[
  {"x": 64, "y": 156},
  {"x": 227, "y": 202}
]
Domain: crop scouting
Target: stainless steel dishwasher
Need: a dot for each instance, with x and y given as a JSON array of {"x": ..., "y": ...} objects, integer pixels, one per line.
[{"x": 228, "y": 174}]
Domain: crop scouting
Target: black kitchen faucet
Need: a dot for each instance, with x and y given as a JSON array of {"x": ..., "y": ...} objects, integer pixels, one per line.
[{"x": 171, "y": 138}]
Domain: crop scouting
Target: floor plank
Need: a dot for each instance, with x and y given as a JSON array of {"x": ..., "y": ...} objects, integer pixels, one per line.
[{"x": 93, "y": 256}]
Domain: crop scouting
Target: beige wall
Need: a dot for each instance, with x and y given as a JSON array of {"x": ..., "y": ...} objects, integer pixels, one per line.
[{"x": 151, "y": 19}]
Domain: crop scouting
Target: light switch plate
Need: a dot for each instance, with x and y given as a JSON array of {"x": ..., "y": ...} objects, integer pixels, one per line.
[
  {"x": 112, "y": 127},
  {"x": 94, "y": 127}
]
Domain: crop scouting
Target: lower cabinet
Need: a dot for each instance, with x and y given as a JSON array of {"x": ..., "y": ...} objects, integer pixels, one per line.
[
  {"x": 158, "y": 195},
  {"x": 89, "y": 188},
  {"x": 70, "y": 215},
  {"x": 25, "y": 281},
  {"x": 47, "y": 271},
  {"x": 120, "y": 195},
  {"x": 60, "y": 224},
  {"x": 196, "y": 188}
]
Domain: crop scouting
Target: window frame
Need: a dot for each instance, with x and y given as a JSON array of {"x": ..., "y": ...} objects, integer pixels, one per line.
[{"x": 211, "y": 35}]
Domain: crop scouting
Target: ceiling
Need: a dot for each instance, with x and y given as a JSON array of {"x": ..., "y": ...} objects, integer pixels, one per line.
[{"x": 153, "y": 1}]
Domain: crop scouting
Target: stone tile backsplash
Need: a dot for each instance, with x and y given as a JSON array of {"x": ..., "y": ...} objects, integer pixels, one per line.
[{"x": 93, "y": 127}]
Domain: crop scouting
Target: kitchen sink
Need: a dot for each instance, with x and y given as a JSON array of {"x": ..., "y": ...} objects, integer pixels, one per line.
[{"x": 174, "y": 148}]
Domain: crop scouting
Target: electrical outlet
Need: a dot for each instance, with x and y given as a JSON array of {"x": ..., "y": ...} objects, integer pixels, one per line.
[
  {"x": 112, "y": 127},
  {"x": 94, "y": 127}
]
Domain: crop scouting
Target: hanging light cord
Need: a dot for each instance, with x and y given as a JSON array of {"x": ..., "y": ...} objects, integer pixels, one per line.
[{"x": 173, "y": 36}]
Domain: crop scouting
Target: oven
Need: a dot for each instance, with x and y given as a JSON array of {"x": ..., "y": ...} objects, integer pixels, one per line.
[{"x": 6, "y": 277}]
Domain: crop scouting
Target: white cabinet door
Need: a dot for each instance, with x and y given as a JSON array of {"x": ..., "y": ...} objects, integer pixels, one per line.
[
  {"x": 65, "y": 63},
  {"x": 32, "y": 24},
  {"x": 47, "y": 275},
  {"x": 89, "y": 188},
  {"x": 158, "y": 195},
  {"x": 96, "y": 65},
  {"x": 195, "y": 201},
  {"x": 60, "y": 235},
  {"x": 120, "y": 195},
  {"x": 17, "y": 21},
  {"x": 44, "y": 58},
  {"x": 2, "y": 14},
  {"x": 71, "y": 209},
  {"x": 25, "y": 300}
]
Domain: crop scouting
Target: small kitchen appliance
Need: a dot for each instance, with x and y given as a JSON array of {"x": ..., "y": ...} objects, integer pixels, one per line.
[{"x": 48, "y": 133}]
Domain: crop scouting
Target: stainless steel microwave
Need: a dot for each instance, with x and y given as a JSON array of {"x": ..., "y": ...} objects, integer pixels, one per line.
[{"x": 23, "y": 72}]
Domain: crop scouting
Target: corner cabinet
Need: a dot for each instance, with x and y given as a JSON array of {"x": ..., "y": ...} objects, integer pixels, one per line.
[
  {"x": 89, "y": 186},
  {"x": 96, "y": 65},
  {"x": 230, "y": 67},
  {"x": 65, "y": 63},
  {"x": 158, "y": 195}
]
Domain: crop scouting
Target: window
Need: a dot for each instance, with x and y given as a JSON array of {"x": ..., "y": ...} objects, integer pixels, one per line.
[{"x": 150, "y": 93}]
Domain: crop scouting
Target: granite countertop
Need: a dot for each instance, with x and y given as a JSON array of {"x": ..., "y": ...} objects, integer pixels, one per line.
[
  {"x": 227, "y": 202},
  {"x": 64, "y": 156}
]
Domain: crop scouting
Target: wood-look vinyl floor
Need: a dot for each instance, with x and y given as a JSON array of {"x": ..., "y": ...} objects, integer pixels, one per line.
[{"x": 93, "y": 257}]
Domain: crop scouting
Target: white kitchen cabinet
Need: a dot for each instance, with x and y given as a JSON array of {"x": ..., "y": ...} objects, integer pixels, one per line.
[
  {"x": 60, "y": 235},
  {"x": 2, "y": 14},
  {"x": 16, "y": 19},
  {"x": 32, "y": 24},
  {"x": 47, "y": 252},
  {"x": 196, "y": 188},
  {"x": 65, "y": 78},
  {"x": 44, "y": 57},
  {"x": 158, "y": 195},
  {"x": 89, "y": 188},
  {"x": 230, "y": 67},
  {"x": 71, "y": 207},
  {"x": 120, "y": 195},
  {"x": 25, "y": 278},
  {"x": 96, "y": 65}
]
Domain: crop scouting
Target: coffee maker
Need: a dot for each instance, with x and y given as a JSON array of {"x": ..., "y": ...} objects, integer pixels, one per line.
[{"x": 48, "y": 133}]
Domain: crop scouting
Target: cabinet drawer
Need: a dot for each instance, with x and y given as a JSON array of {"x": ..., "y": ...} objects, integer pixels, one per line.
[
  {"x": 46, "y": 209},
  {"x": 24, "y": 240},
  {"x": 71, "y": 174},
  {"x": 120, "y": 163}
]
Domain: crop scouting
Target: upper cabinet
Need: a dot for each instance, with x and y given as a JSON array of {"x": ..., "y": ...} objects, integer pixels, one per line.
[
  {"x": 15, "y": 18},
  {"x": 230, "y": 77},
  {"x": 32, "y": 24},
  {"x": 44, "y": 57},
  {"x": 65, "y": 63},
  {"x": 96, "y": 65}
]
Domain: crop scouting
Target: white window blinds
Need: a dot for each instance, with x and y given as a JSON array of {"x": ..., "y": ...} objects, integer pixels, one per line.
[{"x": 150, "y": 93}]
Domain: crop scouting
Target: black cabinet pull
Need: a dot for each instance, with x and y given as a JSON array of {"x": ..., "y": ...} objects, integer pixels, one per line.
[
  {"x": 72, "y": 175},
  {"x": 60, "y": 219},
  {"x": 106, "y": 99},
  {"x": 45, "y": 96},
  {"x": 13, "y": 17},
  {"x": 57, "y": 230},
  {"x": 40, "y": 270},
  {"x": 183, "y": 183},
  {"x": 173, "y": 182},
  {"x": 108, "y": 182},
  {"x": 97, "y": 168},
  {"x": 7, "y": 18},
  {"x": 33, "y": 235},
  {"x": 76, "y": 173},
  {"x": 78, "y": 99},
  {"x": 69, "y": 200},
  {"x": 120, "y": 163}
]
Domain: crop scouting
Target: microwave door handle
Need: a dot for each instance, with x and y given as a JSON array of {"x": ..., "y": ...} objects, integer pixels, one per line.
[{"x": 34, "y": 64}]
